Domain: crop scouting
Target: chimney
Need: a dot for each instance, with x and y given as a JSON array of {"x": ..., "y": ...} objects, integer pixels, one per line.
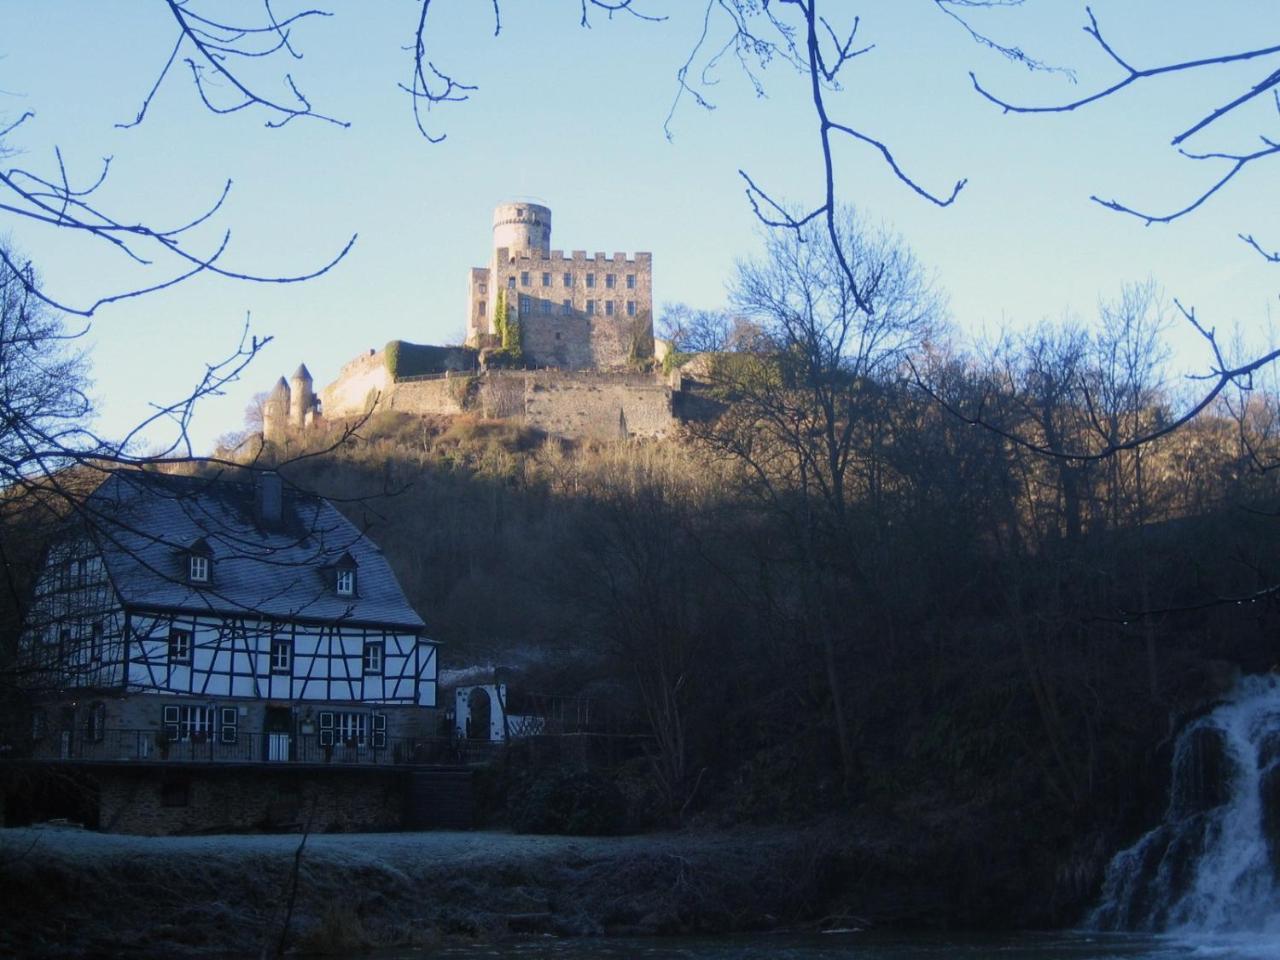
[{"x": 268, "y": 500}]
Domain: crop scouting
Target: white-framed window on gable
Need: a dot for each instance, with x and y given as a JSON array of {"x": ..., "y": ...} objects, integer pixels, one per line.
[
  {"x": 281, "y": 656},
  {"x": 198, "y": 568},
  {"x": 179, "y": 646},
  {"x": 372, "y": 656}
]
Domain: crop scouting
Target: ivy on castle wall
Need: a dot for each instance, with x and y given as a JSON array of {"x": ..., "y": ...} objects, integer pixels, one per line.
[{"x": 508, "y": 330}]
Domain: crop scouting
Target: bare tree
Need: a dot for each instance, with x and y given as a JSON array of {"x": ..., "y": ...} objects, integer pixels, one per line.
[{"x": 805, "y": 416}]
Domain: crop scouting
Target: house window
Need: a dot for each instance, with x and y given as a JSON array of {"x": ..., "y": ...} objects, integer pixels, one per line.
[
  {"x": 372, "y": 657},
  {"x": 631, "y": 308},
  {"x": 95, "y": 722},
  {"x": 524, "y": 278},
  {"x": 345, "y": 584},
  {"x": 183, "y": 722},
  {"x": 95, "y": 640},
  {"x": 198, "y": 569},
  {"x": 352, "y": 729},
  {"x": 591, "y": 279},
  {"x": 546, "y": 306},
  {"x": 480, "y": 309},
  {"x": 609, "y": 280},
  {"x": 631, "y": 281},
  {"x": 608, "y": 308},
  {"x": 179, "y": 646},
  {"x": 568, "y": 279},
  {"x": 229, "y": 731},
  {"x": 591, "y": 308},
  {"x": 546, "y": 279},
  {"x": 282, "y": 654}
]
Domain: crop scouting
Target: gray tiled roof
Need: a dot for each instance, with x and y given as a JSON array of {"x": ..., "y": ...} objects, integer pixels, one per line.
[{"x": 146, "y": 524}]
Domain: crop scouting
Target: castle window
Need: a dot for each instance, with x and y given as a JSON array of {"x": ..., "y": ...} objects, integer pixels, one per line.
[
  {"x": 557, "y": 334},
  {"x": 609, "y": 280},
  {"x": 546, "y": 279},
  {"x": 511, "y": 283},
  {"x": 566, "y": 307},
  {"x": 631, "y": 281},
  {"x": 179, "y": 646},
  {"x": 524, "y": 278},
  {"x": 568, "y": 279},
  {"x": 545, "y": 306},
  {"x": 608, "y": 308},
  {"x": 591, "y": 308},
  {"x": 591, "y": 279},
  {"x": 524, "y": 303},
  {"x": 631, "y": 308},
  {"x": 484, "y": 288},
  {"x": 480, "y": 309}
]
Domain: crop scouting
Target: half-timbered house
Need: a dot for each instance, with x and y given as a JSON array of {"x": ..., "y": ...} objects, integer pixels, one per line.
[{"x": 194, "y": 620}]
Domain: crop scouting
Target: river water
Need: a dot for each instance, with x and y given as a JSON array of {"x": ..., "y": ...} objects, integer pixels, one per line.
[{"x": 877, "y": 946}]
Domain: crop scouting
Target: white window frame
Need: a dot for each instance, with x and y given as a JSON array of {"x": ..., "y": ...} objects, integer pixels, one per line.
[
  {"x": 198, "y": 568},
  {"x": 182, "y": 722},
  {"x": 281, "y": 664},
  {"x": 344, "y": 583},
  {"x": 373, "y": 657},
  {"x": 180, "y": 643}
]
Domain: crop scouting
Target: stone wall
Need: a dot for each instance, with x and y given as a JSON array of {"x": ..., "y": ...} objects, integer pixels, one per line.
[
  {"x": 210, "y": 799},
  {"x": 358, "y": 382},
  {"x": 598, "y": 406}
]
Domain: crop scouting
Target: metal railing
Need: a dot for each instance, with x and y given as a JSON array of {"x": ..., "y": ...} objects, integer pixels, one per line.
[{"x": 151, "y": 746}]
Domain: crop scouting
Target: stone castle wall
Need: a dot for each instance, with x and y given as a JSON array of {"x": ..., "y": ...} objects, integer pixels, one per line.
[
  {"x": 576, "y": 312},
  {"x": 578, "y": 404},
  {"x": 359, "y": 381}
]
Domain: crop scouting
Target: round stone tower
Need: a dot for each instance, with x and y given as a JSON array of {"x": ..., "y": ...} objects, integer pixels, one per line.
[
  {"x": 301, "y": 397},
  {"x": 522, "y": 227},
  {"x": 275, "y": 411}
]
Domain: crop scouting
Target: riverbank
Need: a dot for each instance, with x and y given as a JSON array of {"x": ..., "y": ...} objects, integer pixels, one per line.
[{"x": 73, "y": 893}]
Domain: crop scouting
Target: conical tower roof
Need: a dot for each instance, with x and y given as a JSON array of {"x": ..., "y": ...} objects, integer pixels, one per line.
[
  {"x": 302, "y": 373},
  {"x": 282, "y": 386}
]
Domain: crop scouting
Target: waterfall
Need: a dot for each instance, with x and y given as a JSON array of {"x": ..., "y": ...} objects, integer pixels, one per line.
[{"x": 1212, "y": 865}]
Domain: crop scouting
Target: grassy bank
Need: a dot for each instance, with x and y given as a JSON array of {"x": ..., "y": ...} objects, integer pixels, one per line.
[{"x": 72, "y": 893}]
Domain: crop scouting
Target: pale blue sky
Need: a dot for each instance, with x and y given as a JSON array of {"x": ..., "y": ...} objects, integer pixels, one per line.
[{"x": 574, "y": 117}]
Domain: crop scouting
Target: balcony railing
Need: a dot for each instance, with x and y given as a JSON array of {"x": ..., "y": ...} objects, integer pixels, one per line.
[{"x": 151, "y": 746}]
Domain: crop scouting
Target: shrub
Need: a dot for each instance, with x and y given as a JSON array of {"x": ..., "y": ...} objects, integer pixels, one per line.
[{"x": 567, "y": 800}]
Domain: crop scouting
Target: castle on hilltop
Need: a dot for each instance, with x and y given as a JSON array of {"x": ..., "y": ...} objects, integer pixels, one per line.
[
  {"x": 564, "y": 343},
  {"x": 575, "y": 312}
]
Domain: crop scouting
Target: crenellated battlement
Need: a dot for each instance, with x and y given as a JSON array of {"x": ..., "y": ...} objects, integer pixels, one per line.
[{"x": 558, "y": 256}]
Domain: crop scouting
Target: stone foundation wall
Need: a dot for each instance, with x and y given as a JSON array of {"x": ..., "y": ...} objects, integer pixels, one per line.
[{"x": 213, "y": 800}]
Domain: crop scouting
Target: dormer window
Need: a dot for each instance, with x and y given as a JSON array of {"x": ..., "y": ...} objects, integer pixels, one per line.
[
  {"x": 344, "y": 576},
  {"x": 198, "y": 569},
  {"x": 346, "y": 583},
  {"x": 199, "y": 562}
]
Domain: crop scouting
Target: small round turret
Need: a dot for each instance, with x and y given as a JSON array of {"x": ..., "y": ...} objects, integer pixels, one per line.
[
  {"x": 302, "y": 399},
  {"x": 522, "y": 227},
  {"x": 275, "y": 411}
]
